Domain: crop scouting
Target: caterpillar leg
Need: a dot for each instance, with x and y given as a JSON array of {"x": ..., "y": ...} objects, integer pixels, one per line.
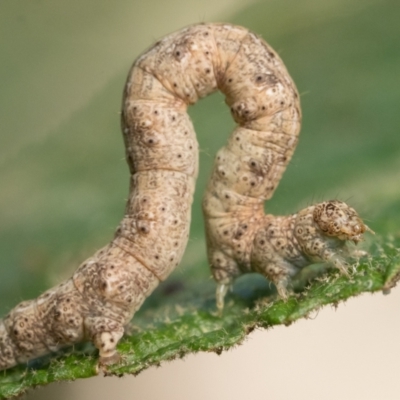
[
  {"x": 282, "y": 288},
  {"x": 222, "y": 290},
  {"x": 224, "y": 270},
  {"x": 279, "y": 274},
  {"x": 337, "y": 262},
  {"x": 105, "y": 334}
]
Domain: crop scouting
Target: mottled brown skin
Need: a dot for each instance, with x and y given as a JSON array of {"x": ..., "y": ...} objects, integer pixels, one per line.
[{"x": 162, "y": 153}]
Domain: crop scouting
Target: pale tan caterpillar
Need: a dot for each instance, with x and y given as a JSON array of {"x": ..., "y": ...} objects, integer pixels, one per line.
[{"x": 161, "y": 150}]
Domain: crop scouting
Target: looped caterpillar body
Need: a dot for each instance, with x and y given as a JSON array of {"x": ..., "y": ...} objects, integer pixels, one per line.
[{"x": 103, "y": 294}]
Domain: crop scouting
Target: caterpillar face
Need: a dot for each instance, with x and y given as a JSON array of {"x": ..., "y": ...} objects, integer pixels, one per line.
[
  {"x": 161, "y": 150},
  {"x": 337, "y": 219}
]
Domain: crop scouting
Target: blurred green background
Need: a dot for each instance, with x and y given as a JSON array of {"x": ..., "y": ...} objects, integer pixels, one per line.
[{"x": 63, "y": 178}]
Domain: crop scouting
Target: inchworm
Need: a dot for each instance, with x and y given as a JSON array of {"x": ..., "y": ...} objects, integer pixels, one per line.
[{"x": 161, "y": 150}]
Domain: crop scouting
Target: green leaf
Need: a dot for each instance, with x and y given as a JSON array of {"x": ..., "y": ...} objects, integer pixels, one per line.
[
  {"x": 62, "y": 194},
  {"x": 170, "y": 329}
]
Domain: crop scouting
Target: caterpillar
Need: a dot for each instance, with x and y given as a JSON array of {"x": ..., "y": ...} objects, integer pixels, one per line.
[{"x": 106, "y": 290}]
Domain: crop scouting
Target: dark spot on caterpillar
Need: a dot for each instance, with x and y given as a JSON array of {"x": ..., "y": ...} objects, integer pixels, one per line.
[{"x": 208, "y": 70}]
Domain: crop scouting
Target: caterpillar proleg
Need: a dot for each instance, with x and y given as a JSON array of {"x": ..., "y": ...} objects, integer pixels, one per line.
[{"x": 101, "y": 297}]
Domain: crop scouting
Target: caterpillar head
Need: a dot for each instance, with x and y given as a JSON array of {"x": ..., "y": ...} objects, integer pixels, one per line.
[{"x": 335, "y": 218}]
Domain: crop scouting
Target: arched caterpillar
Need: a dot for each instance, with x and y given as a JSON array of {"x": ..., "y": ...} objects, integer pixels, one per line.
[{"x": 103, "y": 294}]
